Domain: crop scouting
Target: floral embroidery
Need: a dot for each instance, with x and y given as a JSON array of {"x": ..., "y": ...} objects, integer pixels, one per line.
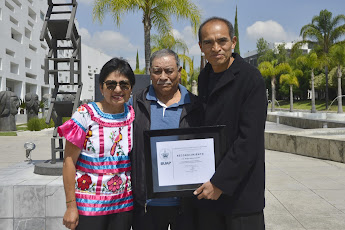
[
  {"x": 82, "y": 110},
  {"x": 84, "y": 182},
  {"x": 114, "y": 184},
  {"x": 120, "y": 151},
  {"x": 116, "y": 140}
]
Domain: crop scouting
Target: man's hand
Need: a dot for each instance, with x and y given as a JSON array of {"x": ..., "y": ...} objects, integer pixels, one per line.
[
  {"x": 71, "y": 218},
  {"x": 208, "y": 191}
]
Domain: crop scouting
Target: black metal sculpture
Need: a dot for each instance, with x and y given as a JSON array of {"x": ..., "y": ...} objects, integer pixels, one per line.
[{"x": 64, "y": 55}]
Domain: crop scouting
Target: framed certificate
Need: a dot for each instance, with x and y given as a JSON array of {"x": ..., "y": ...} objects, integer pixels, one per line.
[{"x": 180, "y": 160}]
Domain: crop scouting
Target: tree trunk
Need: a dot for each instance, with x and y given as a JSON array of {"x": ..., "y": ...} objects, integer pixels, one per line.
[
  {"x": 273, "y": 86},
  {"x": 313, "y": 109},
  {"x": 291, "y": 99},
  {"x": 147, "y": 32},
  {"x": 326, "y": 73},
  {"x": 340, "y": 98}
]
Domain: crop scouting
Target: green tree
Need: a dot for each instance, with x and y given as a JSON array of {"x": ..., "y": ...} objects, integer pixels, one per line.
[
  {"x": 156, "y": 13},
  {"x": 237, "y": 47},
  {"x": 322, "y": 33},
  {"x": 292, "y": 80},
  {"x": 264, "y": 52},
  {"x": 168, "y": 41},
  {"x": 271, "y": 70},
  {"x": 137, "y": 61},
  {"x": 311, "y": 62},
  {"x": 281, "y": 53},
  {"x": 337, "y": 54}
]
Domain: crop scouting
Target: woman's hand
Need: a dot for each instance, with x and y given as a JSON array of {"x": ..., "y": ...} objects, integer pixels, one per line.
[{"x": 71, "y": 217}]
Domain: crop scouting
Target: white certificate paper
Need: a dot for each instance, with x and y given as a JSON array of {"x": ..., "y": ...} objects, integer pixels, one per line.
[{"x": 185, "y": 161}]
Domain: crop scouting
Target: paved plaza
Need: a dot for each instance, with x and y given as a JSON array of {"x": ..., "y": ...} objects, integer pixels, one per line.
[{"x": 301, "y": 192}]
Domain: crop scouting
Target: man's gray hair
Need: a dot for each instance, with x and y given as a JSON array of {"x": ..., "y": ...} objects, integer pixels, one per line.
[
  {"x": 228, "y": 24},
  {"x": 164, "y": 53}
]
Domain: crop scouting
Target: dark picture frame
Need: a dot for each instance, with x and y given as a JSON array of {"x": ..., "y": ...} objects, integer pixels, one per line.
[{"x": 151, "y": 137}]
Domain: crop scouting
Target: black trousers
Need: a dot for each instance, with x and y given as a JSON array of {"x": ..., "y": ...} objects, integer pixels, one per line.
[
  {"x": 212, "y": 220},
  {"x": 159, "y": 218},
  {"x": 116, "y": 221}
]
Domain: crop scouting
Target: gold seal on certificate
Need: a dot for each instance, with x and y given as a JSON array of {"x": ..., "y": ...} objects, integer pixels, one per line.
[{"x": 179, "y": 160}]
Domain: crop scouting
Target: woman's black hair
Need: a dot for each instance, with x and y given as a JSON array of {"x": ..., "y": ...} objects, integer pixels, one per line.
[{"x": 117, "y": 65}]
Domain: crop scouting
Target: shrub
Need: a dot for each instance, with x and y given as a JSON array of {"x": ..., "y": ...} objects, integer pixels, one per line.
[
  {"x": 37, "y": 124},
  {"x": 34, "y": 124},
  {"x": 44, "y": 125}
]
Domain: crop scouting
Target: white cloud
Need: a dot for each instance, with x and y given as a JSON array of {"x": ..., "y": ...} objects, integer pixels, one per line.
[
  {"x": 108, "y": 41},
  {"x": 188, "y": 37},
  {"x": 111, "y": 43},
  {"x": 195, "y": 50},
  {"x": 271, "y": 31}
]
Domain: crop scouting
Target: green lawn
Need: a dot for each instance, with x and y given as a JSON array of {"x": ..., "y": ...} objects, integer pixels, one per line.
[
  {"x": 306, "y": 105},
  {"x": 8, "y": 134}
]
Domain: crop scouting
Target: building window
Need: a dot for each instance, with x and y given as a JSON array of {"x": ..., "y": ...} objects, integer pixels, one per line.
[
  {"x": 14, "y": 68},
  {"x": 10, "y": 52},
  {"x": 13, "y": 20},
  {"x": 27, "y": 33},
  {"x": 16, "y": 35},
  {"x": 42, "y": 15},
  {"x": 31, "y": 2},
  {"x": 9, "y": 6},
  {"x": 30, "y": 75},
  {"x": 28, "y": 63},
  {"x": 33, "y": 48},
  {"x": 43, "y": 46},
  {"x": 32, "y": 14},
  {"x": 17, "y": 3},
  {"x": 30, "y": 24}
]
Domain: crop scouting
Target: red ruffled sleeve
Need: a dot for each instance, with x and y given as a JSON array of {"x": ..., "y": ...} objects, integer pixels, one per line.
[{"x": 73, "y": 133}]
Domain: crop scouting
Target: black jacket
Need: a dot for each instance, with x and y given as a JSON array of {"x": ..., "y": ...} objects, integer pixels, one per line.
[
  {"x": 191, "y": 116},
  {"x": 238, "y": 101}
]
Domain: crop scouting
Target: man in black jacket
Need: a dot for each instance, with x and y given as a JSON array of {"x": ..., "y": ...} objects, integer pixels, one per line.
[
  {"x": 163, "y": 105},
  {"x": 234, "y": 95}
]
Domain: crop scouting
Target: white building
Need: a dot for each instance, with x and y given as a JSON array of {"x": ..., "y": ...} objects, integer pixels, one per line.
[
  {"x": 22, "y": 53},
  {"x": 252, "y": 56},
  {"x": 92, "y": 62}
]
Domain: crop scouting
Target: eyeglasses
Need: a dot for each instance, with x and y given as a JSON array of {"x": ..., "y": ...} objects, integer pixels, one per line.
[{"x": 111, "y": 85}]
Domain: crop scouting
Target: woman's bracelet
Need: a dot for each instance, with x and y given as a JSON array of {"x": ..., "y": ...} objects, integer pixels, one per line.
[{"x": 69, "y": 201}]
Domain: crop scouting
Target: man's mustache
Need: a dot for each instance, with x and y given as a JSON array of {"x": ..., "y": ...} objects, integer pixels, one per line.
[{"x": 168, "y": 82}]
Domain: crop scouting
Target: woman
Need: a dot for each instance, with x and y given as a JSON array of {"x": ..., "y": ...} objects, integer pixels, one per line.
[{"x": 96, "y": 169}]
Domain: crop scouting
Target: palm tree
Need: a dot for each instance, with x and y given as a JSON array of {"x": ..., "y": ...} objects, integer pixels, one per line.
[
  {"x": 322, "y": 33},
  {"x": 311, "y": 62},
  {"x": 270, "y": 69},
  {"x": 292, "y": 80},
  {"x": 156, "y": 13},
  {"x": 337, "y": 53},
  {"x": 168, "y": 41}
]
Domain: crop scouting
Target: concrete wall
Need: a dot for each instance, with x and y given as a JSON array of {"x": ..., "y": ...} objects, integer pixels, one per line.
[
  {"x": 304, "y": 123},
  {"x": 327, "y": 146}
]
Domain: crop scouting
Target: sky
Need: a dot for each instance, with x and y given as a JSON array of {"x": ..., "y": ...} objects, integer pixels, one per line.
[{"x": 274, "y": 20}]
